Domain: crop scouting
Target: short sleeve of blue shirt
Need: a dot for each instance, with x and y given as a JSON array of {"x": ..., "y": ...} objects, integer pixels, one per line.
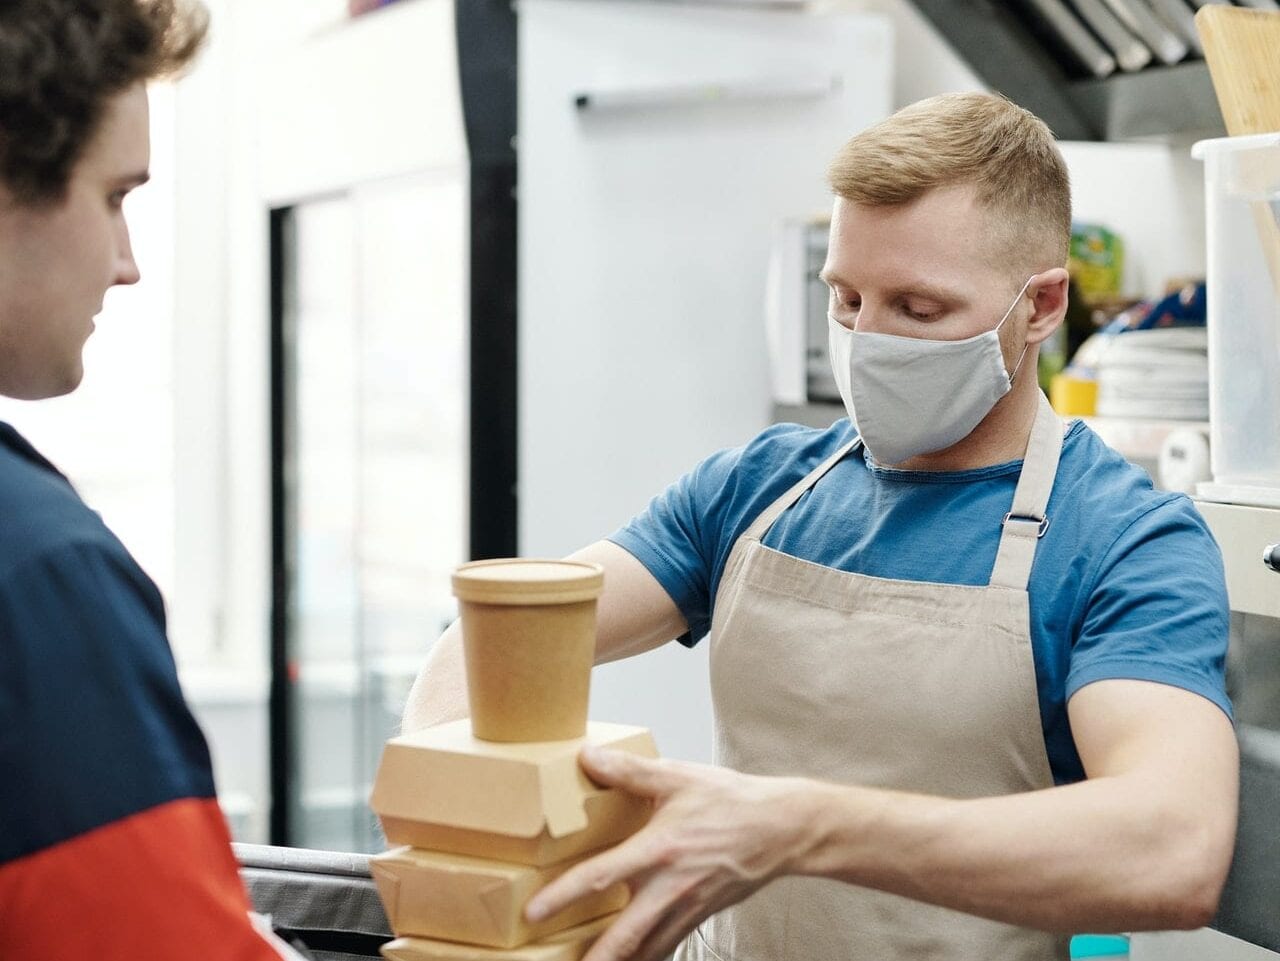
[
  {"x": 1155, "y": 609},
  {"x": 685, "y": 535}
]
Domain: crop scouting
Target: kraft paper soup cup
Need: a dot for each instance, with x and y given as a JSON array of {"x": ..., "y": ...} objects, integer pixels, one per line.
[{"x": 529, "y": 637}]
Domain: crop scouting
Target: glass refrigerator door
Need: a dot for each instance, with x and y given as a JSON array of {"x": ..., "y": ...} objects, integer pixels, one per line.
[{"x": 375, "y": 498}]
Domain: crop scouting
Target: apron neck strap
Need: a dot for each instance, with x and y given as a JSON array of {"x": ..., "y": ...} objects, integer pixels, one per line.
[
  {"x": 1026, "y": 522},
  {"x": 1023, "y": 526},
  {"x": 762, "y": 523}
]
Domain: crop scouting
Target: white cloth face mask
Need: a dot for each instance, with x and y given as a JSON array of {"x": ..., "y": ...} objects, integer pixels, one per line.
[{"x": 908, "y": 396}]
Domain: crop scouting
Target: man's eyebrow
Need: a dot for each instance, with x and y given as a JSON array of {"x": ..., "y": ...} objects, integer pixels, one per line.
[
  {"x": 922, "y": 289},
  {"x": 929, "y": 292}
]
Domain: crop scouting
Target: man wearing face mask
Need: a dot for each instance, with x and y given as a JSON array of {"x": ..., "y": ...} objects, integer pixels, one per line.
[{"x": 967, "y": 665}]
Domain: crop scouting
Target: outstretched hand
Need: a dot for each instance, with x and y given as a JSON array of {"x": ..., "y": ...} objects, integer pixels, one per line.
[{"x": 716, "y": 836}]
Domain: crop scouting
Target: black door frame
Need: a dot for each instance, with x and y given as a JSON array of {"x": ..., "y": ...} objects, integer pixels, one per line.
[
  {"x": 486, "y": 43},
  {"x": 487, "y": 59}
]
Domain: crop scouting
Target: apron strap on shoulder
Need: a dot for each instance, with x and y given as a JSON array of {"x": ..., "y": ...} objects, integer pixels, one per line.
[
  {"x": 760, "y": 526},
  {"x": 1027, "y": 522}
]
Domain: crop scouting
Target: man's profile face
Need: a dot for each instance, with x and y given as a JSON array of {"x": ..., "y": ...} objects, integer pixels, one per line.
[
  {"x": 927, "y": 269},
  {"x": 58, "y": 259}
]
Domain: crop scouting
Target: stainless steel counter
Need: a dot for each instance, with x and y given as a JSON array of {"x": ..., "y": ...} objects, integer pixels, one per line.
[{"x": 1203, "y": 945}]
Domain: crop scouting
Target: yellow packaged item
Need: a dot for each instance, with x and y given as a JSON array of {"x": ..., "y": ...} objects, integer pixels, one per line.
[{"x": 1073, "y": 396}]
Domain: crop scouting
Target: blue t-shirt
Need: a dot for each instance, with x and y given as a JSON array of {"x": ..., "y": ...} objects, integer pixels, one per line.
[{"x": 1127, "y": 582}]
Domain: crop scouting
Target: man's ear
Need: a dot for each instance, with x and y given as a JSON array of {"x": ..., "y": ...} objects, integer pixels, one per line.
[{"x": 1048, "y": 291}]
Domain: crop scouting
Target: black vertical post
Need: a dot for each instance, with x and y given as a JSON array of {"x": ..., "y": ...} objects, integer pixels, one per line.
[
  {"x": 486, "y": 37},
  {"x": 487, "y": 64},
  {"x": 280, "y": 704}
]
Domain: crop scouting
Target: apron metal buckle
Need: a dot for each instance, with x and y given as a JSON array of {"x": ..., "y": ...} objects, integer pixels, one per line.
[{"x": 1042, "y": 521}]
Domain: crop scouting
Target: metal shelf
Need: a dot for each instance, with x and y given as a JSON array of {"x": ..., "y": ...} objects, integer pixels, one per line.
[{"x": 1001, "y": 44}]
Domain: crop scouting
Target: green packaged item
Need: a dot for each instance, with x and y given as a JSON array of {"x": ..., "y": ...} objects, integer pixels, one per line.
[{"x": 1096, "y": 260}]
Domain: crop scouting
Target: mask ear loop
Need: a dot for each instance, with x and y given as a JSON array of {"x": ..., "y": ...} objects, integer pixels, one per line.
[{"x": 1018, "y": 366}]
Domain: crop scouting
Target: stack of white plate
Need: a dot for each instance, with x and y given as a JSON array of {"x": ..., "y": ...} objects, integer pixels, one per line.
[{"x": 1161, "y": 374}]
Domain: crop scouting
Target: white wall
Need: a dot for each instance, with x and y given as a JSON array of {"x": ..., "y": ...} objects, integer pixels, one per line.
[
  {"x": 924, "y": 64},
  {"x": 1152, "y": 194},
  {"x": 201, "y": 298}
]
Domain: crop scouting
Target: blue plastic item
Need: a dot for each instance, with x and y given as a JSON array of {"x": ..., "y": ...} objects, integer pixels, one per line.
[
  {"x": 1183, "y": 308},
  {"x": 1099, "y": 946}
]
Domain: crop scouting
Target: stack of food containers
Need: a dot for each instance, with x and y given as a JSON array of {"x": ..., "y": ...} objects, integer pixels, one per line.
[{"x": 491, "y": 808}]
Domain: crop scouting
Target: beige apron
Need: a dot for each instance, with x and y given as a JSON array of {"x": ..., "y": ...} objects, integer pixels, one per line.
[{"x": 920, "y": 687}]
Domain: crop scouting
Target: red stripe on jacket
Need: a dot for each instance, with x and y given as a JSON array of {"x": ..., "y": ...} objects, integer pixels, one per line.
[{"x": 158, "y": 885}]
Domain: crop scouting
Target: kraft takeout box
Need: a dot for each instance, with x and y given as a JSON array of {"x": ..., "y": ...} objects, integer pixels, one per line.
[
  {"x": 443, "y": 789},
  {"x": 568, "y": 945},
  {"x": 454, "y": 897}
]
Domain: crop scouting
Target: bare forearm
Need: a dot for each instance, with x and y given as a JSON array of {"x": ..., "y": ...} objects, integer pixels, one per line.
[
  {"x": 1102, "y": 855},
  {"x": 439, "y": 692},
  {"x": 634, "y": 615}
]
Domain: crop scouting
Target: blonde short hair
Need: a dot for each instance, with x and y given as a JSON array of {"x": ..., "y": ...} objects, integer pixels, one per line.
[{"x": 1004, "y": 151}]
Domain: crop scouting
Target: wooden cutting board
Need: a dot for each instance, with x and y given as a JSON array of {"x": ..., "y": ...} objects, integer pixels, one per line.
[{"x": 1242, "y": 48}]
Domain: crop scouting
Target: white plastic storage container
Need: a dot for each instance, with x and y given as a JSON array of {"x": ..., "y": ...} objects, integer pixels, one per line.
[{"x": 1242, "y": 197}]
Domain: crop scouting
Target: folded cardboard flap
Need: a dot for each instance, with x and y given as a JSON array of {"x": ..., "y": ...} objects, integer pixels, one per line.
[
  {"x": 565, "y": 789},
  {"x": 568, "y": 945},
  {"x": 611, "y": 817},
  {"x": 444, "y": 776},
  {"x": 476, "y": 900}
]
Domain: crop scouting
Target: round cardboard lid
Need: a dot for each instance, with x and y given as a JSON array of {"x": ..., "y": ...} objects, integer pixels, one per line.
[{"x": 528, "y": 580}]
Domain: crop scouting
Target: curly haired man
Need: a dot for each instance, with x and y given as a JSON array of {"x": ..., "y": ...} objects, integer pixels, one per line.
[{"x": 113, "y": 846}]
